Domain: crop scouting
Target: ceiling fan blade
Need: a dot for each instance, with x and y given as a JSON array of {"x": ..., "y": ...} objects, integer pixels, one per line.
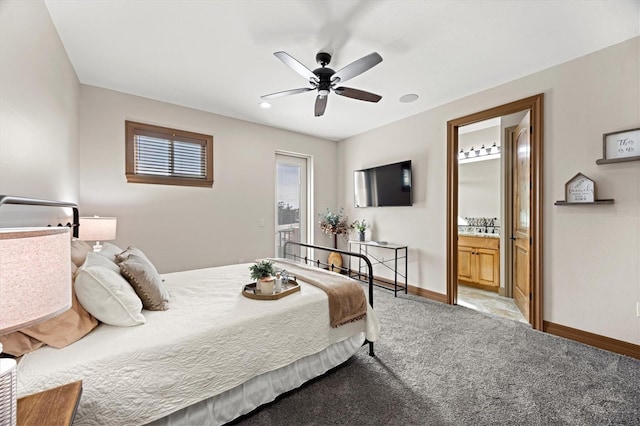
[
  {"x": 293, "y": 63},
  {"x": 357, "y": 94},
  {"x": 286, "y": 93},
  {"x": 321, "y": 105},
  {"x": 356, "y": 68}
]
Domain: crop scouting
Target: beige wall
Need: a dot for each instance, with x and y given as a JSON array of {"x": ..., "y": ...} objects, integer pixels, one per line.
[
  {"x": 38, "y": 113},
  {"x": 591, "y": 253},
  {"x": 184, "y": 227}
]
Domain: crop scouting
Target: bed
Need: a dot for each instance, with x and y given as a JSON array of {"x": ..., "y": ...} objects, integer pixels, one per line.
[{"x": 213, "y": 356}]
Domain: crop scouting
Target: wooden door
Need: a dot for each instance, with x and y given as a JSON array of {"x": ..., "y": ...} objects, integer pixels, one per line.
[{"x": 521, "y": 228}]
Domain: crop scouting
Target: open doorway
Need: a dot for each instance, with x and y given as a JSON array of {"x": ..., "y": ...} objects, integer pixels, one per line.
[
  {"x": 485, "y": 209},
  {"x": 525, "y": 242}
]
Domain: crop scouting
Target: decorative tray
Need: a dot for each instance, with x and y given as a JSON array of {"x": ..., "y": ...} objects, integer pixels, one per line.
[{"x": 290, "y": 287}]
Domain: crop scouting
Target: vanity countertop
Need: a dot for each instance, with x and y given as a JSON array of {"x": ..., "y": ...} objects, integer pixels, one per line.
[{"x": 479, "y": 234}]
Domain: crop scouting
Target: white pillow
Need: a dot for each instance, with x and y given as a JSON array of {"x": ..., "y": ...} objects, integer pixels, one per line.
[
  {"x": 100, "y": 260},
  {"x": 109, "y": 251},
  {"x": 106, "y": 295}
]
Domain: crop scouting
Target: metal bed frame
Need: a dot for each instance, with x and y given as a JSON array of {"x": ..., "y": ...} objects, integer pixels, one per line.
[
  {"x": 75, "y": 226},
  {"x": 323, "y": 264}
]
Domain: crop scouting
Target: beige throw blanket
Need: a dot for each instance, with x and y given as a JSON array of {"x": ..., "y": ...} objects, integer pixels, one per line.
[{"x": 347, "y": 301}]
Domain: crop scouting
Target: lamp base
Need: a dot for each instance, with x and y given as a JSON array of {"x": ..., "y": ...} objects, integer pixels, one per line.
[
  {"x": 8, "y": 392},
  {"x": 97, "y": 247}
]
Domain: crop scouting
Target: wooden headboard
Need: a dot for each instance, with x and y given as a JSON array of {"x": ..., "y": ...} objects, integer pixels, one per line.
[{"x": 10, "y": 199}]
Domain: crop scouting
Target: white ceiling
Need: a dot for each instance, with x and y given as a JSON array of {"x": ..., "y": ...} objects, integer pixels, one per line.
[{"x": 217, "y": 56}]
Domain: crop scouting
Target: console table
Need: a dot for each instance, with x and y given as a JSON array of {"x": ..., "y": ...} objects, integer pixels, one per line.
[{"x": 399, "y": 252}]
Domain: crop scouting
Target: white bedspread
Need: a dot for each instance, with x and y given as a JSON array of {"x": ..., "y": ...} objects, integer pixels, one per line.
[{"x": 210, "y": 340}]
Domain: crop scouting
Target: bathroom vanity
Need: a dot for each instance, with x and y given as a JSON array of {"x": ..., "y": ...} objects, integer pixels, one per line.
[{"x": 479, "y": 261}]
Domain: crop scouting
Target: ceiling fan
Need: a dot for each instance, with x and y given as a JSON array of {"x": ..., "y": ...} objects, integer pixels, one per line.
[{"x": 326, "y": 80}]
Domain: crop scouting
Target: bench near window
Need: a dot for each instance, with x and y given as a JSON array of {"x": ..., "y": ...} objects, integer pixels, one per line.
[{"x": 160, "y": 155}]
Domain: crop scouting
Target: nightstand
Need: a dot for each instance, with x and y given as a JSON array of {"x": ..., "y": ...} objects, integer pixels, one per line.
[{"x": 55, "y": 406}]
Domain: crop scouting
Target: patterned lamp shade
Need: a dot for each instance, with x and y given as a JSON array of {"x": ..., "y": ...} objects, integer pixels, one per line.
[{"x": 35, "y": 285}]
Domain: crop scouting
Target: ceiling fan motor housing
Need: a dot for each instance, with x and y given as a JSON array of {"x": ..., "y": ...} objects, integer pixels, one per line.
[{"x": 324, "y": 80}]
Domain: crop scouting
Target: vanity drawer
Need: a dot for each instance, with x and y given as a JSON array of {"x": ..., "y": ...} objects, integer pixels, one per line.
[{"x": 479, "y": 242}]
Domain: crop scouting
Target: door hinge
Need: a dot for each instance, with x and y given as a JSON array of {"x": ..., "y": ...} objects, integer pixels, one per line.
[
  {"x": 530, "y": 241},
  {"x": 530, "y": 296},
  {"x": 531, "y": 129}
]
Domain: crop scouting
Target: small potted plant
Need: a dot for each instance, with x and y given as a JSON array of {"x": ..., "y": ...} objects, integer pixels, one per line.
[
  {"x": 360, "y": 226},
  {"x": 263, "y": 273}
]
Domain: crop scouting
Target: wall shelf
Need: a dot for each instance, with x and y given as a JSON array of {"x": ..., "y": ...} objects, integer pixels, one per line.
[
  {"x": 564, "y": 203},
  {"x": 616, "y": 160}
]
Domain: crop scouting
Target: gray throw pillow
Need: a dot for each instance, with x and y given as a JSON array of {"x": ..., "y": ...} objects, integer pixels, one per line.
[{"x": 146, "y": 281}]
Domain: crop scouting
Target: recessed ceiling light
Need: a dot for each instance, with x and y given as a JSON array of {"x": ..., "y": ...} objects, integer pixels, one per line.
[
  {"x": 265, "y": 105},
  {"x": 411, "y": 97}
]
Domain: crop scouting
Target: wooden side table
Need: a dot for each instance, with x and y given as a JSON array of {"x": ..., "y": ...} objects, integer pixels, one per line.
[{"x": 55, "y": 406}]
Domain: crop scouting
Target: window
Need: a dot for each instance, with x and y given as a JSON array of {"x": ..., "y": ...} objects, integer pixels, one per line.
[{"x": 167, "y": 156}]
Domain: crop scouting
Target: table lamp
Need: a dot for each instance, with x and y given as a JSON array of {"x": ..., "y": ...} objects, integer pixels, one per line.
[
  {"x": 98, "y": 229},
  {"x": 35, "y": 285}
]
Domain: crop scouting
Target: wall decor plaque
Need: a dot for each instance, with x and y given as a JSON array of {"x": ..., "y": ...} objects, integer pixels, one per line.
[
  {"x": 580, "y": 189},
  {"x": 620, "y": 146}
]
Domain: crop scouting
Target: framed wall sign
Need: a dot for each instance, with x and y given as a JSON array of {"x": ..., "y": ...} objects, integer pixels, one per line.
[{"x": 620, "y": 146}]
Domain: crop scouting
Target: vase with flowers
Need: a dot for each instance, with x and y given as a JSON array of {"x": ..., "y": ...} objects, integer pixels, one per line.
[
  {"x": 334, "y": 224},
  {"x": 360, "y": 226}
]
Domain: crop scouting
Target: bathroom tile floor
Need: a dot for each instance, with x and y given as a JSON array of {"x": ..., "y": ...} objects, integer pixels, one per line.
[{"x": 488, "y": 302}]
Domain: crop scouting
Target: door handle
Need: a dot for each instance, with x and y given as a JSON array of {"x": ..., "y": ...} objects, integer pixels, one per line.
[{"x": 512, "y": 238}]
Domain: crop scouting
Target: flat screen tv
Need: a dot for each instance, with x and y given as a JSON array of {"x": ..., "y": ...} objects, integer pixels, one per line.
[{"x": 388, "y": 185}]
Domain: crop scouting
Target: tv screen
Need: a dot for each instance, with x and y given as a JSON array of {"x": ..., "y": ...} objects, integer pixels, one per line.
[{"x": 388, "y": 185}]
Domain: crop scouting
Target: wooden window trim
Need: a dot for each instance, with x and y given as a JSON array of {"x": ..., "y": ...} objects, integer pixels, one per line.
[{"x": 132, "y": 128}]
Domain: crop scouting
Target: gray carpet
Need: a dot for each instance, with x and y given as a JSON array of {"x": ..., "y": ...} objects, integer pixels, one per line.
[{"x": 437, "y": 364}]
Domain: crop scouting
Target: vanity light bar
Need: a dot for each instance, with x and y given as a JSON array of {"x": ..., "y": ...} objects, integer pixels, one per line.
[{"x": 479, "y": 154}]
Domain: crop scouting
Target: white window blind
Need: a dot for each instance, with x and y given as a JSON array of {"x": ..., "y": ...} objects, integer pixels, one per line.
[
  {"x": 165, "y": 157},
  {"x": 168, "y": 156}
]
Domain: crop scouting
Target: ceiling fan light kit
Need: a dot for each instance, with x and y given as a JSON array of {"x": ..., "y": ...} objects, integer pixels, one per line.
[{"x": 325, "y": 80}]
